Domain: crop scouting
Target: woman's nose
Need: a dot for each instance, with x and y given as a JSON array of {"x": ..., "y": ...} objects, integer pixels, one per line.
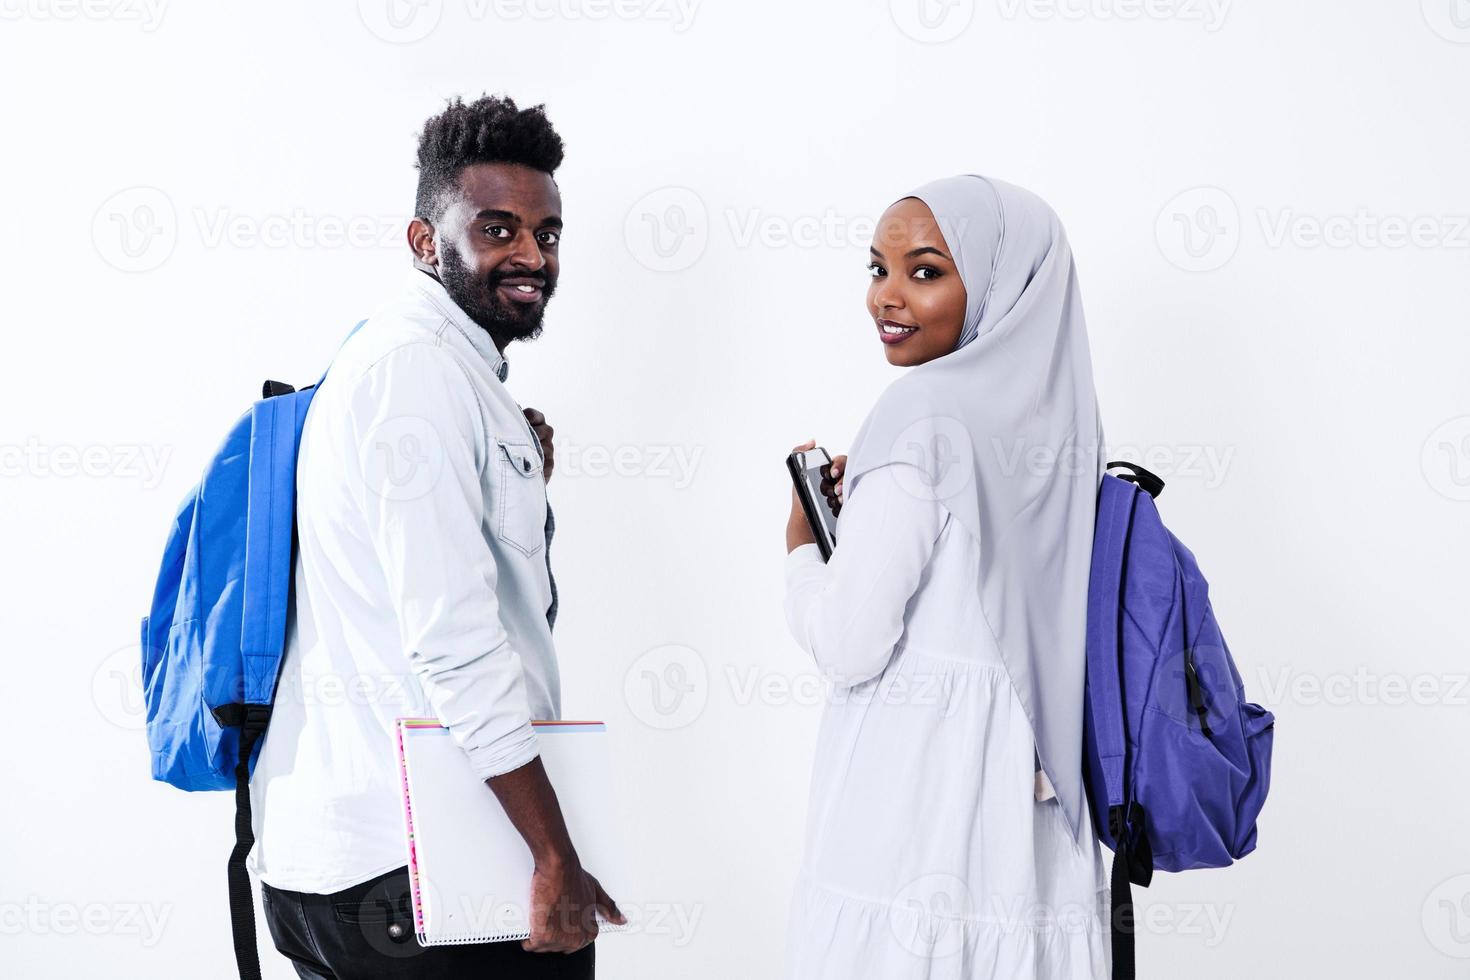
[{"x": 888, "y": 296}]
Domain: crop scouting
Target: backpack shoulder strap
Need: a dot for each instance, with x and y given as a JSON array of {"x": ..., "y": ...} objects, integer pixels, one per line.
[
  {"x": 1118, "y": 499},
  {"x": 277, "y": 422},
  {"x": 1104, "y": 613}
]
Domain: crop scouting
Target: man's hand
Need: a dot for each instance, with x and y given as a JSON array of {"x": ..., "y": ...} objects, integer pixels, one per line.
[
  {"x": 544, "y": 432},
  {"x": 565, "y": 903},
  {"x": 565, "y": 899}
]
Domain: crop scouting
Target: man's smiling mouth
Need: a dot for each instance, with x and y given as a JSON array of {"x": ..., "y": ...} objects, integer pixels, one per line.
[{"x": 521, "y": 290}]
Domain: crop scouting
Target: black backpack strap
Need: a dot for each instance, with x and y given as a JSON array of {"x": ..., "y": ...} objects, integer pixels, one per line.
[
  {"x": 1133, "y": 863},
  {"x": 252, "y": 720},
  {"x": 1151, "y": 483},
  {"x": 1122, "y": 920}
]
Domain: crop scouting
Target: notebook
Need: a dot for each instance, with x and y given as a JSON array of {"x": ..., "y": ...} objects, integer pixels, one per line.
[{"x": 469, "y": 869}]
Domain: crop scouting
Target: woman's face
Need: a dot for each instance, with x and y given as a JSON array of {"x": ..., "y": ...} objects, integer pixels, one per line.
[{"x": 916, "y": 297}]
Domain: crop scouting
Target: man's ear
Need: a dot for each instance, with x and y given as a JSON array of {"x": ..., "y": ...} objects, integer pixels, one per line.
[{"x": 421, "y": 241}]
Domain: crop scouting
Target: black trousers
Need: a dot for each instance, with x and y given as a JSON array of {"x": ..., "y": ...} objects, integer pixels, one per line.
[{"x": 366, "y": 932}]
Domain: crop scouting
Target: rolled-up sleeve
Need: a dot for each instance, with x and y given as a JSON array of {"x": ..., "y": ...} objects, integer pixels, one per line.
[
  {"x": 849, "y": 612},
  {"x": 422, "y": 453}
]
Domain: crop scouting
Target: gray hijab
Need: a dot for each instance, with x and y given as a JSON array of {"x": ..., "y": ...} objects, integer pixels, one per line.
[{"x": 1004, "y": 432}]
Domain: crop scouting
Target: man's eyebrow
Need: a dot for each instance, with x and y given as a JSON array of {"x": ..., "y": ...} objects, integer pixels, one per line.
[{"x": 553, "y": 221}]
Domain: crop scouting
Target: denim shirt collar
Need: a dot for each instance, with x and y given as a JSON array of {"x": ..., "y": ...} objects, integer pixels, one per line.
[{"x": 433, "y": 290}]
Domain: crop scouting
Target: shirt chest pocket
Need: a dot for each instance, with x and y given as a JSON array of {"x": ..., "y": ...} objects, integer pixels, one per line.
[{"x": 521, "y": 511}]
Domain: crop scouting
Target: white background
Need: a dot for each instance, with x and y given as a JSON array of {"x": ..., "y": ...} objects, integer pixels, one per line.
[{"x": 1237, "y": 182}]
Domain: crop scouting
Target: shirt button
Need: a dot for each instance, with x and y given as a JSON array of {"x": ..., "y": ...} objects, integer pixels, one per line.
[{"x": 395, "y": 931}]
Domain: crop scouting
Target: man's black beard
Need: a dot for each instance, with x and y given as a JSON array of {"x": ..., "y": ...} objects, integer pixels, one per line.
[{"x": 479, "y": 299}]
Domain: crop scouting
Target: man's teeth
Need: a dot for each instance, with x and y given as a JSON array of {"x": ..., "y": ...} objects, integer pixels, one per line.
[
  {"x": 526, "y": 289},
  {"x": 890, "y": 328}
]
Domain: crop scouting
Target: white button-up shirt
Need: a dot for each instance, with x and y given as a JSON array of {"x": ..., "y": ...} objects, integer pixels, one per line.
[{"x": 422, "y": 587}]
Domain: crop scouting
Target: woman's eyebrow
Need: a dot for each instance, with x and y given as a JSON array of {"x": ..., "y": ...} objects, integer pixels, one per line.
[{"x": 913, "y": 253}]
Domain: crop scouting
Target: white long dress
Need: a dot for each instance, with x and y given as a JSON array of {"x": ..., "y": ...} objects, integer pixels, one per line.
[{"x": 929, "y": 853}]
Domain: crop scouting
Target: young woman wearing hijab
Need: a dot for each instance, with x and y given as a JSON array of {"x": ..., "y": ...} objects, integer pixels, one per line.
[{"x": 948, "y": 833}]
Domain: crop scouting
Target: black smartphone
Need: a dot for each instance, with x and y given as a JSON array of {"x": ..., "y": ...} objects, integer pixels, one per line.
[{"x": 805, "y": 467}]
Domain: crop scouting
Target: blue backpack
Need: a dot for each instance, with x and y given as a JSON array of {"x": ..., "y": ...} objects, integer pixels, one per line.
[
  {"x": 1178, "y": 762},
  {"x": 215, "y": 633}
]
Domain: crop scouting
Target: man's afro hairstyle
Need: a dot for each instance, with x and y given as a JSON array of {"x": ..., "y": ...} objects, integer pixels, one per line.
[{"x": 489, "y": 130}]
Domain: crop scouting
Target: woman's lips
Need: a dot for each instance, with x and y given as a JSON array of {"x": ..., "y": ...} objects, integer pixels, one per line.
[{"x": 892, "y": 332}]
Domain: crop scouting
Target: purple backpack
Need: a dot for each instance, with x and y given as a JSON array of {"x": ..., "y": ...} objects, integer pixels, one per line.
[{"x": 1177, "y": 760}]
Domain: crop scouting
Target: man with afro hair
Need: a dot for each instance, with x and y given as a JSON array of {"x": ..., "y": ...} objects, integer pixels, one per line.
[{"x": 422, "y": 580}]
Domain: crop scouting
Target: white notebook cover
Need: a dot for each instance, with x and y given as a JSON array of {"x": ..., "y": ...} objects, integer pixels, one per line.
[{"x": 469, "y": 869}]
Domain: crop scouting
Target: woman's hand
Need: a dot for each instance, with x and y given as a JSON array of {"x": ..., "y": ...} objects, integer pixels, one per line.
[
  {"x": 798, "y": 531},
  {"x": 832, "y": 483}
]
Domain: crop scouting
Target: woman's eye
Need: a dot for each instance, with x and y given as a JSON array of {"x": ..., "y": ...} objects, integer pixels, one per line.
[
  {"x": 875, "y": 270},
  {"x": 926, "y": 272},
  {"x": 550, "y": 237}
]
